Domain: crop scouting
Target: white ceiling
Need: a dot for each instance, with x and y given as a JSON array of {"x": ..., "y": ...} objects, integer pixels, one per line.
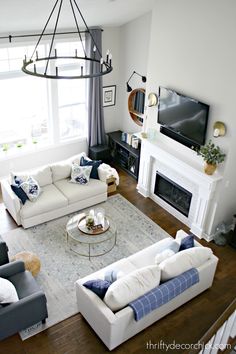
[{"x": 30, "y": 15}]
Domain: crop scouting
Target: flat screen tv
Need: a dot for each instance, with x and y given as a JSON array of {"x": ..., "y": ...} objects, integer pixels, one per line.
[{"x": 182, "y": 118}]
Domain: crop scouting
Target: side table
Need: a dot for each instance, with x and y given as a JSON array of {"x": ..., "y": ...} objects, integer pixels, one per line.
[{"x": 31, "y": 260}]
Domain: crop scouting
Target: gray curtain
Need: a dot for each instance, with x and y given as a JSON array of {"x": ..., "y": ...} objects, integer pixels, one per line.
[{"x": 96, "y": 129}]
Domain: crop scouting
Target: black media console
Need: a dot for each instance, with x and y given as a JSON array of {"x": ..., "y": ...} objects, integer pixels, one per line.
[{"x": 123, "y": 154}]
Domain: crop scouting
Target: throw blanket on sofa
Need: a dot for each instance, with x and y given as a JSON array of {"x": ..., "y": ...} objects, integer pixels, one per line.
[{"x": 163, "y": 293}]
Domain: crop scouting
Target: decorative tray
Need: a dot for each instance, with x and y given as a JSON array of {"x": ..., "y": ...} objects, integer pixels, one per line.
[{"x": 93, "y": 230}]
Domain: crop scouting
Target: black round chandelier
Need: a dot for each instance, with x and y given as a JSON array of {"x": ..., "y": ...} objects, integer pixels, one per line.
[{"x": 49, "y": 66}]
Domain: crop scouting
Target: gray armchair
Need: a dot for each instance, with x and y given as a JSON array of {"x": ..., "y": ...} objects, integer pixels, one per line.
[
  {"x": 32, "y": 305},
  {"x": 3, "y": 252}
]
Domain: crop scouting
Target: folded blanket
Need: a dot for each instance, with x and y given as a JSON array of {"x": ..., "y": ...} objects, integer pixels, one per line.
[
  {"x": 105, "y": 171},
  {"x": 163, "y": 293}
]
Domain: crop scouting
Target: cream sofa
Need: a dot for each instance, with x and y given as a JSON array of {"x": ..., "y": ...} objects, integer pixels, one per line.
[
  {"x": 116, "y": 328},
  {"x": 59, "y": 196}
]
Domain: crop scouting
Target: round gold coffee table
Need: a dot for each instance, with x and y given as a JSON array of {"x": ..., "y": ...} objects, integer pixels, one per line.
[
  {"x": 90, "y": 244},
  {"x": 31, "y": 260}
]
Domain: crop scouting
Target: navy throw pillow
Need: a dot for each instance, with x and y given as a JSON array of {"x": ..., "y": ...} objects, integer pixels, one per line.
[
  {"x": 98, "y": 286},
  {"x": 94, "y": 163},
  {"x": 20, "y": 193},
  {"x": 187, "y": 242}
]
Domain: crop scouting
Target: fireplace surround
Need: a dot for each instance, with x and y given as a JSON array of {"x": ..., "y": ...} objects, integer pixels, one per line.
[{"x": 160, "y": 157}]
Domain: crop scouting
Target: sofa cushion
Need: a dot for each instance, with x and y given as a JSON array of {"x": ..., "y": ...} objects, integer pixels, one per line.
[
  {"x": 62, "y": 169},
  {"x": 31, "y": 189},
  {"x": 94, "y": 163},
  {"x": 8, "y": 292},
  {"x": 20, "y": 193},
  {"x": 50, "y": 199},
  {"x": 80, "y": 174},
  {"x": 98, "y": 286},
  {"x": 123, "y": 265},
  {"x": 160, "y": 257},
  {"x": 147, "y": 256},
  {"x": 76, "y": 192},
  {"x": 183, "y": 261},
  {"x": 42, "y": 175},
  {"x": 187, "y": 242},
  {"x": 132, "y": 286}
]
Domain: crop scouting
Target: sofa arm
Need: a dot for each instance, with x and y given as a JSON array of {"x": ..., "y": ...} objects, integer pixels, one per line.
[
  {"x": 9, "y": 269},
  {"x": 22, "y": 314},
  {"x": 11, "y": 201}
]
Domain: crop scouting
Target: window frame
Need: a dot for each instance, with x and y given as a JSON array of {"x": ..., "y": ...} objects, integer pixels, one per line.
[{"x": 54, "y": 140}]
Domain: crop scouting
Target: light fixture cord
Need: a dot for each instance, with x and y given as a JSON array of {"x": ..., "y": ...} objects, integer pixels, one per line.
[
  {"x": 76, "y": 22},
  {"x": 53, "y": 37},
  {"x": 41, "y": 35},
  {"x": 81, "y": 15}
]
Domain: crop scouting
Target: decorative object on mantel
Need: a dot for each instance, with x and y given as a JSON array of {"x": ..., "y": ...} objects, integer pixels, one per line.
[
  {"x": 212, "y": 155},
  {"x": 152, "y": 99},
  {"x": 129, "y": 88},
  {"x": 219, "y": 129},
  {"x": 39, "y": 66}
]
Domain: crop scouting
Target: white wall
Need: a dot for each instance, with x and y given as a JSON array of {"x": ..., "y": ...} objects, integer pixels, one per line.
[
  {"x": 134, "y": 48},
  {"x": 192, "y": 50},
  {"x": 111, "y": 41},
  {"x": 30, "y": 160}
]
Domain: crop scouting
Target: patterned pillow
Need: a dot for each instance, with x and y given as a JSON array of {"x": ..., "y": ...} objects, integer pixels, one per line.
[
  {"x": 31, "y": 188},
  {"x": 80, "y": 174}
]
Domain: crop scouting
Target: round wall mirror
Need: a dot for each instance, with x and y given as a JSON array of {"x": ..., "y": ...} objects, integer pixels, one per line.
[{"x": 136, "y": 104}]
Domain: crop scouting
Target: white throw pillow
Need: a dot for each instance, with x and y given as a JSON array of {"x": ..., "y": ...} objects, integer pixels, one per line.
[
  {"x": 8, "y": 292},
  {"x": 31, "y": 189},
  {"x": 183, "y": 261},
  {"x": 80, "y": 174},
  {"x": 132, "y": 286},
  {"x": 160, "y": 257}
]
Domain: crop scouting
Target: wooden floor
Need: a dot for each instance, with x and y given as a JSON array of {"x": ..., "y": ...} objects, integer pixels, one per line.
[{"x": 185, "y": 325}]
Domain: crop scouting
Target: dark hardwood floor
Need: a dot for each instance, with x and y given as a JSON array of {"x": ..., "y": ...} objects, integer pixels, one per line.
[{"x": 185, "y": 325}]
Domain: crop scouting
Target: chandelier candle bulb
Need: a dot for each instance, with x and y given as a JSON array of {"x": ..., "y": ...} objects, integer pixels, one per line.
[
  {"x": 108, "y": 53},
  {"x": 110, "y": 58},
  {"x": 76, "y": 52},
  {"x": 56, "y": 71},
  {"x": 55, "y": 53},
  {"x": 82, "y": 70},
  {"x": 37, "y": 55},
  {"x": 101, "y": 62},
  {"x": 35, "y": 68}
]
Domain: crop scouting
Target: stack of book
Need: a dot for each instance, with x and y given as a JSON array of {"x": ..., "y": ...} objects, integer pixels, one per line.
[
  {"x": 139, "y": 102},
  {"x": 130, "y": 139}
]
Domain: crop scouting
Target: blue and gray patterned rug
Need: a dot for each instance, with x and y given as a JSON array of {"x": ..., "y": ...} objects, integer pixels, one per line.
[{"x": 61, "y": 267}]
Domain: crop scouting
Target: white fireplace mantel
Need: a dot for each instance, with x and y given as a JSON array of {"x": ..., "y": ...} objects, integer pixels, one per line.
[{"x": 186, "y": 172}]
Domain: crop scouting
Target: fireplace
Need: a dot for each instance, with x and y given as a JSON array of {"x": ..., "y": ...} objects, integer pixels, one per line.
[{"x": 173, "y": 194}]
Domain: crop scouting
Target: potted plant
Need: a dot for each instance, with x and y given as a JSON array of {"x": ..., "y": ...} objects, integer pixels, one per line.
[{"x": 212, "y": 155}]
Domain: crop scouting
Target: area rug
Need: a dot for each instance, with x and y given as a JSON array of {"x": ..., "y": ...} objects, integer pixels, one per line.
[{"x": 61, "y": 267}]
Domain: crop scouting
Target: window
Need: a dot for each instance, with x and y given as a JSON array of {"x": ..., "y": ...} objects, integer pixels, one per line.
[{"x": 35, "y": 110}]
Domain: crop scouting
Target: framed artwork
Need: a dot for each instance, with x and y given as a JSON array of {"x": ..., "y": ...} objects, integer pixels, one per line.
[{"x": 109, "y": 96}]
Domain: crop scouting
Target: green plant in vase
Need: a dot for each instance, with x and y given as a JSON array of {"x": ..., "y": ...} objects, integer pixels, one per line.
[
  {"x": 5, "y": 147},
  {"x": 212, "y": 155},
  {"x": 19, "y": 145}
]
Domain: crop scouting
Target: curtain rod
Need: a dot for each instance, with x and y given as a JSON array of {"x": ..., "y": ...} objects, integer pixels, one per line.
[{"x": 10, "y": 37}]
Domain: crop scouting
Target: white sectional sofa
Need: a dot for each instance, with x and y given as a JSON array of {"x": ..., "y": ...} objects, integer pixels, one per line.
[
  {"x": 116, "y": 328},
  {"x": 59, "y": 196}
]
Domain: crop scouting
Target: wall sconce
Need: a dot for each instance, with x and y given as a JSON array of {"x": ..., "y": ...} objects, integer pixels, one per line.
[
  {"x": 129, "y": 88},
  {"x": 152, "y": 99},
  {"x": 219, "y": 129}
]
